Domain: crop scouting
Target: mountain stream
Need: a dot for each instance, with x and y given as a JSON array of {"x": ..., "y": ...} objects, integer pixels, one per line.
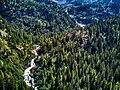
[
  {"x": 72, "y": 16},
  {"x": 27, "y": 78}
]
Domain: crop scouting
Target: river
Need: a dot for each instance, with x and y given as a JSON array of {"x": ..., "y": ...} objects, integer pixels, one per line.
[
  {"x": 27, "y": 78},
  {"x": 77, "y": 23}
]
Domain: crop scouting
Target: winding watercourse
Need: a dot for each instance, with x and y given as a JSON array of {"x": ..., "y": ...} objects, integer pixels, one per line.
[
  {"x": 72, "y": 16},
  {"x": 27, "y": 78}
]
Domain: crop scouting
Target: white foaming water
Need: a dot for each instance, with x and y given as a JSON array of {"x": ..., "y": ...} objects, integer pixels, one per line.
[
  {"x": 27, "y": 78},
  {"x": 59, "y": 1},
  {"x": 77, "y": 23},
  {"x": 80, "y": 24}
]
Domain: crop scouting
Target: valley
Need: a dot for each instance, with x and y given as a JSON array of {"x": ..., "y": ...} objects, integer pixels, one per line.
[{"x": 59, "y": 45}]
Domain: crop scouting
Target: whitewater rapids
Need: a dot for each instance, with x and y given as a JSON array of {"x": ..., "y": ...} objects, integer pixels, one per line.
[{"x": 27, "y": 78}]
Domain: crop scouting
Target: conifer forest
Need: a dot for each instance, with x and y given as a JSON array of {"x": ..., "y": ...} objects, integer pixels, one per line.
[{"x": 51, "y": 45}]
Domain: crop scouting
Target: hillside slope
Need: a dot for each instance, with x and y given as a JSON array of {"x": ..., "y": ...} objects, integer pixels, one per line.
[
  {"x": 69, "y": 59},
  {"x": 35, "y": 16},
  {"x": 15, "y": 54},
  {"x": 81, "y": 59}
]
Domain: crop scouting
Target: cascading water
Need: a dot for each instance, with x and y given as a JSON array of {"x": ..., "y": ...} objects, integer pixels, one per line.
[
  {"x": 77, "y": 23},
  {"x": 27, "y": 78},
  {"x": 60, "y": 1}
]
